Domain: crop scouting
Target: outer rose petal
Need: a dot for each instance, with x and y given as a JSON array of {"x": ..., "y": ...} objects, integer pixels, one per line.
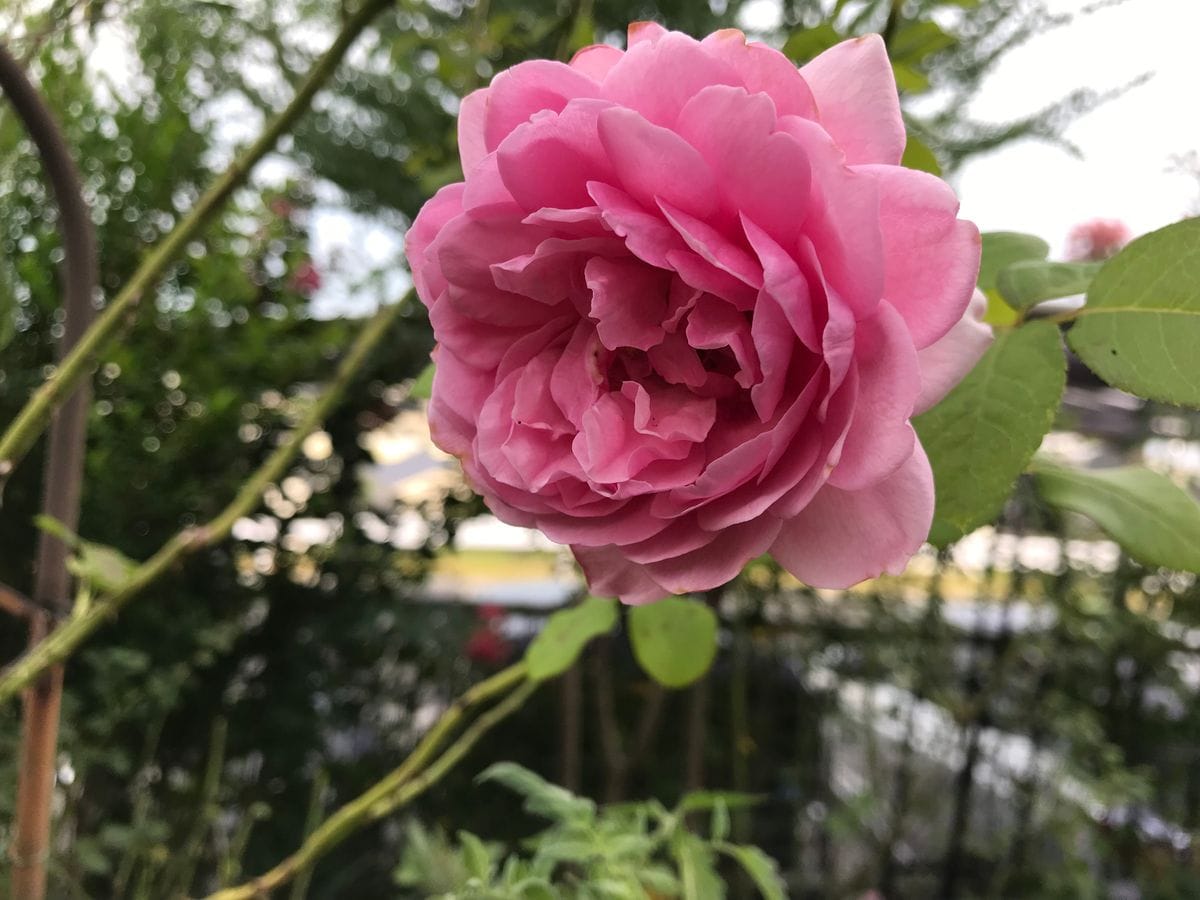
[
  {"x": 889, "y": 379},
  {"x": 596, "y": 60},
  {"x": 764, "y": 70},
  {"x": 931, "y": 257},
  {"x": 610, "y": 574},
  {"x": 427, "y": 275},
  {"x": 844, "y": 537},
  {"x": 945, "y": 362},
  {"x": 472, "y": 114},
  {"x": 857, "y": 100},
  {"x": 528, "y": 88}
]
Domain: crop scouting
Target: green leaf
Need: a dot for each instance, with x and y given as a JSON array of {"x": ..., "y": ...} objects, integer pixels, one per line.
[
  {"x": 1141, "y": 325},
  {"x": 909, "y": 80},
  {"x": 422, "y": 387},
  {"x": 918, "y": 156},
  {"x": 719, "y": 829},
  {"x": 541, "y": 797},
  {"x": 1029, "y": 282},
  {"x": 567, "y": 632},
  {"x": 476, "y": 856},
  {"x": 917, "y": 40},
  {"x": 985, "y": 431},
  {"x": 1003, "y": 248},
  {"x": 104, "y": 568},
  {"x": 696, "y": 868},
  {"x": 761, "y": 868},
  {"x": 674, "y": 640},
  {"x": 701, "y": 801},
  {"x": 1155, "y": 520},
  {"x": 803, "y": 45}
]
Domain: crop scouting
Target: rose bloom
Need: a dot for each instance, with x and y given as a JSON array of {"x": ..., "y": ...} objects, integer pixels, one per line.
[
  {"x": 686, "y": 301},
  {"x": 1097, "y": 239}
]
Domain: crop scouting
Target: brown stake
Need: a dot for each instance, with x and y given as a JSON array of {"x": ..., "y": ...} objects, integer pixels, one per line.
[{"x": 61, "y": 491}]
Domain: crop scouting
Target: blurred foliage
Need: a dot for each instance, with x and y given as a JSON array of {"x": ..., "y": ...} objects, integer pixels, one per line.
[
  {"x": 195, "y": 729},
  {"x": 631, "y": 850}
]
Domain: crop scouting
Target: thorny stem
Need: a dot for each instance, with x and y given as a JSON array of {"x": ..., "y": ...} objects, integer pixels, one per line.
[
  {"x": 33, "y": 418},
  {"x": 401, "y": 786},
  {"x": 64, "y": 639}
]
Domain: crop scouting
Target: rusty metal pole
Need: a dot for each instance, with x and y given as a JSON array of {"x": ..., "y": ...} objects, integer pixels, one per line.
[{"x": 62, "y": 488}]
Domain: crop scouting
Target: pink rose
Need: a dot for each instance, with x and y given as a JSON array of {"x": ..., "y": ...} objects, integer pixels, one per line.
[
  {"x": 686, "y": 301},
  {"x": 1097, "y": 239}
]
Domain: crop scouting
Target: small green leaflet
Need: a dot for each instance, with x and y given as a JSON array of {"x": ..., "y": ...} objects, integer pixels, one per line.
[
  {"x": 674, "y": 640},
  {"x": 1029, "y": 282},
  {"x": 1155, "y": 520},
  {"x": 567, "y": 632},
  {"x": 1003, "y": 248}
]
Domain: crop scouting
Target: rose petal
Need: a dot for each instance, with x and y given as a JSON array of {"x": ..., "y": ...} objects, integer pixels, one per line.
[
  {"x": 947, "y": 360},
  {"x": 931, "y": 257},
  {"x": 880, "y": 439},
  {"x": 765, "y": 70},
  {"x": 549, "y": 160},
  {"x": 629, "y": 301},
  {"x": 844, "y": 537},
  {"x": 655, "y": 163},
  {"x": 472, "y": 113},
  {"x": 527, "y": 88},
  {"x": 657, "y": 76},
  {"x": 764, "y": 176},
  {"x": 426, "y": 271},
  {"x": 857, "y": 102},
  {"x": 596, "y": 60},
  {"x": 610, "y": 574}
]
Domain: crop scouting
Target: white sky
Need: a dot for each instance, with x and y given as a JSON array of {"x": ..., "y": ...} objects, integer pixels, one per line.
[{"x": 1127, "y": 144}]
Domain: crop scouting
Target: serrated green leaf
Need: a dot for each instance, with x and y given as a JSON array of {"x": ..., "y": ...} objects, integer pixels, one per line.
[
  {"x": 1155, "y": 520},
  {"x": 1029, "y": 282},
  {"x": 476, "y": 856},
  {"x": 541, "y": 797},
  {"x": 1140, "y": 328},
  {"x": 567, "y": 632},
  {"x": 985, "y": 431},
  {"x": 674, "y": 640},
  {"x": 1002, "y": 249},
  {"x": 917, "y": 155},
  {"x": 761, "y": 868},
  {"x": 422, "y": 386}
]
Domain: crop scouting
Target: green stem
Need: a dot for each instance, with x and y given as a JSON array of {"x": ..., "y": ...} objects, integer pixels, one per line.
[
  {"x": 63, "y": 640},
  {"x": 75, "y": 366},
  {"x": 400, "y": 787},
  {"x": 316, "y": 803}
]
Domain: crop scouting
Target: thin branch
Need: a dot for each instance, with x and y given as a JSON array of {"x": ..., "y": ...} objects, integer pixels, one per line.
[
  {"x": 61, "y": 642},
  {"x": 18, "y": 605},
  {"x": 398, "y": 788},
  {"x": 33, "y": 418}
]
